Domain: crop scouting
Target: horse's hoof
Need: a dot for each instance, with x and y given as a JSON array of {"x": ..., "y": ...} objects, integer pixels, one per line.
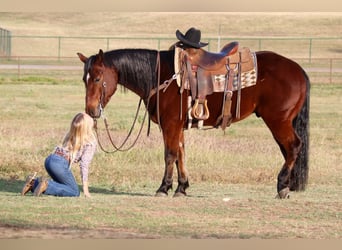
[
  {"x": 161, "y": 194},
  {"x": 179, "y": 194},
  {"x": 284, "y": 193}
]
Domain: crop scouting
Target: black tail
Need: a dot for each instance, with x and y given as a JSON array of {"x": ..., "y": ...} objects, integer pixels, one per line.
[{"x": 299, "y": 176}]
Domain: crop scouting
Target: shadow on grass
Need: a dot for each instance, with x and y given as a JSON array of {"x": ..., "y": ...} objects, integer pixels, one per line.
[
  {"x": 97, "y": 190},
  {"x": 13, "y": 185}
]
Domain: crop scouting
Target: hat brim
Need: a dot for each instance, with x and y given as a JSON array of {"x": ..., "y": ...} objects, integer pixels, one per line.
[{"x": 182, "y": 38}]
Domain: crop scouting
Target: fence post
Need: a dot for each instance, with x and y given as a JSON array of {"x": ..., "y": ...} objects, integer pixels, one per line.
[
  {"x": 1, "y": 39},
  {"x": 9, "y": 44},
  {"x": 18, "y": 67},
  {"x": 331, "y": 68},
  {"x": 59, "y": 48},
  {"x": 310, "y": 49}
]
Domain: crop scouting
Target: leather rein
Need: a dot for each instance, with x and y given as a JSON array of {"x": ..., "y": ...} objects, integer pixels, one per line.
[{"x": 120, "y": 147}]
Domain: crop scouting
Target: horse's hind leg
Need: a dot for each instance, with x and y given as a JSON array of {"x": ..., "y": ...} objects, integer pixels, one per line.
[{"x": 290, "y": 145}]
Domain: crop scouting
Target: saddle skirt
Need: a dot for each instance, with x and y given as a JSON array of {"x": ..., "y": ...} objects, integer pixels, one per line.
[{"x": 247, "y": 78}]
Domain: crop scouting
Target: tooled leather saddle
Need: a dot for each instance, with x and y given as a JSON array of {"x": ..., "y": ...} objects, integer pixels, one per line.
[{"x": 205, "y": 72}]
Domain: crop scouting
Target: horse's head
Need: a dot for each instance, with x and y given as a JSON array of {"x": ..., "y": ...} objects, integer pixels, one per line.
[{"x": 100, "y": 81}]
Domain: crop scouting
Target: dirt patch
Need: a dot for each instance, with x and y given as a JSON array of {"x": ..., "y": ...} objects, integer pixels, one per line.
[{"x": 10, "y": 232}]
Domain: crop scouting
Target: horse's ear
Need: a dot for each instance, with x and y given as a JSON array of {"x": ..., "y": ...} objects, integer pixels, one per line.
[
  {"x": 100, "y": 56},
  {"x": 82, "y": 57}
]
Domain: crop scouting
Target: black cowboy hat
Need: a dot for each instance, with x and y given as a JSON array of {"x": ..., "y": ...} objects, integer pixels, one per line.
[{"x": 192, "y": 37}]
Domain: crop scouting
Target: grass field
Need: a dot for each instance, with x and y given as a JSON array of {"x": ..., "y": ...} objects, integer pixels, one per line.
[
  {"x": 165, "y": 24},
  {"x": 241, "y": 165},
  {"x": 232, "y": 175}
]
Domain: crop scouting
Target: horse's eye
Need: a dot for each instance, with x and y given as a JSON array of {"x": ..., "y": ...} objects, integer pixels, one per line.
[{"x": 97, "y": 79}]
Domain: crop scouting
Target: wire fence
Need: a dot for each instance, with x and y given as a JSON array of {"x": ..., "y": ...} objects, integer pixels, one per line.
[
  {"x": 54, "y": 55},
  {"x": 320, "y": 70},
  {"x": 61, "y": 46}
]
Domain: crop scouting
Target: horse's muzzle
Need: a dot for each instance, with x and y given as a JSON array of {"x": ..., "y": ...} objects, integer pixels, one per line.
[{"x": 95, "y": 113}]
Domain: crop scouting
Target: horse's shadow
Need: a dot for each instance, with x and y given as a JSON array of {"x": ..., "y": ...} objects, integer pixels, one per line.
[{"x": 14, "y": 185}]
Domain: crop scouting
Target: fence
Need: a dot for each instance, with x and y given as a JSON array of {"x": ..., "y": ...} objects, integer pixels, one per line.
[
  {"x": 320, "y": 70},
  {"x": 54, "y": 55},
  {"x": 60, "y": 46},
  {"x": 5, "y": 42}
]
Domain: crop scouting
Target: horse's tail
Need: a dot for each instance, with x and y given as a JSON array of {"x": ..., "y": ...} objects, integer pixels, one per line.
[{"x": 299, "y": 176}]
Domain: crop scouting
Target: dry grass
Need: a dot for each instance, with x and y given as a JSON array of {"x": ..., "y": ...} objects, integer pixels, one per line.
[
  {"x": 247, "y": 153},
  {"x": 164, "y": 25},
  {"x": 159, "y": 24},
  {"x": 241, "y": 165}
]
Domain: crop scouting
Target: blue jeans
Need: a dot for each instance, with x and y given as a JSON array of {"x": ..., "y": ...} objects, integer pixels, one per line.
[{"x": 63, "y": 182}]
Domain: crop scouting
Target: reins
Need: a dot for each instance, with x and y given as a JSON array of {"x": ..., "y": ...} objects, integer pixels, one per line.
[
  {"x": 117, "y": 148},
  {"x": 120, "y": 148}
]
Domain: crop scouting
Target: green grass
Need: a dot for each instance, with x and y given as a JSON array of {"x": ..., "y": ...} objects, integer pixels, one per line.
[{"x": 249, "y": 213}]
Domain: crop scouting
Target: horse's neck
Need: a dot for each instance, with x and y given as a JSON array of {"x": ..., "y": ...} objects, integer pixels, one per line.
[
  {"x": 143, "y": 78},
  {"x": 138, "y": 76},
  {"x": 134, "y": 88}
]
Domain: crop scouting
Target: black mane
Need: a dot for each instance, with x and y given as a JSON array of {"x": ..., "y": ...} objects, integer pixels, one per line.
[{"x": 135, "y": 66}]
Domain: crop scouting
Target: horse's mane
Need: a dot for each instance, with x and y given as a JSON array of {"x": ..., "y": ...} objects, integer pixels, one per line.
[{"x": 135, "y": 66}]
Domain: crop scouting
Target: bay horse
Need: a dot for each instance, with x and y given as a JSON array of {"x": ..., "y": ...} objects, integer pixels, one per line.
[{"x": 280, "y": 97}]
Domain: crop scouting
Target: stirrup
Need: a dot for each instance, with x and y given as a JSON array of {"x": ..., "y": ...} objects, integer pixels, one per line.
[{"x": 197, "y": 110}]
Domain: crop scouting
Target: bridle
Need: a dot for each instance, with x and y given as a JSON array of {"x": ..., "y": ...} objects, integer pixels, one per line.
[{"x": 103, "y": 94}]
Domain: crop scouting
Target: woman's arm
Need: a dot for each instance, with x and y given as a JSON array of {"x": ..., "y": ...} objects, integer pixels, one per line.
[{"x": 86, "y": 158}]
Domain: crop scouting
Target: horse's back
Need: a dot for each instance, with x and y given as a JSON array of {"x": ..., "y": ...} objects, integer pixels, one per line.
[
  {"x": 275, "y": 64},
  {"x": 282, "y": 84}
]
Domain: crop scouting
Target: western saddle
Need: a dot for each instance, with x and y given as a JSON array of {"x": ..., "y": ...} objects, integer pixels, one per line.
[{"x": 205, "y": 72}]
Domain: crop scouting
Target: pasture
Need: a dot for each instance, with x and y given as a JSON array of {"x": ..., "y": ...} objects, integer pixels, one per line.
[
  {"x": 232, "y": 174},
  {"x": 221, "y": 202}
]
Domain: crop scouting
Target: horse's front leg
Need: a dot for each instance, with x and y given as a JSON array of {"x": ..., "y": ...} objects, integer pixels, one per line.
[
  {"x": 174, "y": 153},
  {"x": 170, "y": 158},
  {"x": 171, "y": 145},
  {"x": 183, "y": 182}
]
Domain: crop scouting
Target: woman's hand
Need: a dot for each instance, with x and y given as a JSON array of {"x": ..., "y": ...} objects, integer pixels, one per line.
[{"x": 86, "y": 190}]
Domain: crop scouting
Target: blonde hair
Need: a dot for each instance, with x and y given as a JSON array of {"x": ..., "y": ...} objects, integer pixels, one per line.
[{"x": 80, "y": 133}]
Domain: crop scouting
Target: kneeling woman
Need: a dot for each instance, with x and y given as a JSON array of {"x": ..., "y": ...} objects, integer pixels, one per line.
[{"x": 78, "y": 146}]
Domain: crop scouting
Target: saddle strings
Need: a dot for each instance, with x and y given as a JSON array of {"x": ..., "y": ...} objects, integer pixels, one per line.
[{"x": 158, "y": 83}]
